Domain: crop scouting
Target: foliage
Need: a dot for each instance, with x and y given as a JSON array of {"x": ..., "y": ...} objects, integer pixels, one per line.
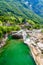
[
  {"x": 1, "y": 34},
  {"x": 17, "y": 9}
]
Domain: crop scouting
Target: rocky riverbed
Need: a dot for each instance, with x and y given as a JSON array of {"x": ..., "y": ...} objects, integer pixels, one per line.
[
  {"x": 35, "y": 41},
  {"x": 3, "y": 41},
  {"x": 36, "y": 45}
]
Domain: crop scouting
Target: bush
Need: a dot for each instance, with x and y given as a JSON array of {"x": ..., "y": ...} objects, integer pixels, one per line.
[{"x": 16, "y": 28}]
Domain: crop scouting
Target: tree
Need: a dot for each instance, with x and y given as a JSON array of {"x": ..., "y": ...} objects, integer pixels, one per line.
[
  {"x": 36, "y": 26},
  {"x": 23, "y": 20}
]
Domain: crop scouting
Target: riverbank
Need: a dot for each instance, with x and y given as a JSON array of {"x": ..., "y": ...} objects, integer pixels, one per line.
[
  {"x": 3, "y": 41},
  {"x": 37, "y": 56},
  {"x": 35, "y": 42}
]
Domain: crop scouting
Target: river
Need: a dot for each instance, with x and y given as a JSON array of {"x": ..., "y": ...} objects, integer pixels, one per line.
[{"x": 15, "y": 52}]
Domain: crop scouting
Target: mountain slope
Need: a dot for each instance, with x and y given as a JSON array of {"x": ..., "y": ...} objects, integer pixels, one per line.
[
  {"x": 18, "y": 8},
  {"x": 36, "y": 6}
]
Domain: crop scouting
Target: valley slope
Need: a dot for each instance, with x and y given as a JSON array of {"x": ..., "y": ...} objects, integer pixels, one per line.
[{"x": 18, "y": 8}]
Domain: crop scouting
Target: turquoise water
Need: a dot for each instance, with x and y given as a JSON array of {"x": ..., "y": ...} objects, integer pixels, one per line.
[{"x": 16, "y": 53}]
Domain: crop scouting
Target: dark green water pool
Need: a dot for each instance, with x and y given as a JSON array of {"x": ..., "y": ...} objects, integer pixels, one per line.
[{"x": 16, "y": 53}]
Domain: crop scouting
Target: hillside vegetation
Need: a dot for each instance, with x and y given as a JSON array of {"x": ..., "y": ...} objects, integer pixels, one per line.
[{"x": 18, "y": 9}]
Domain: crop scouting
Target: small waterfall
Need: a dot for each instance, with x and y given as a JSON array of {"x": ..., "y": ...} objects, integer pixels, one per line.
[{"x": 24, "y": 34}]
